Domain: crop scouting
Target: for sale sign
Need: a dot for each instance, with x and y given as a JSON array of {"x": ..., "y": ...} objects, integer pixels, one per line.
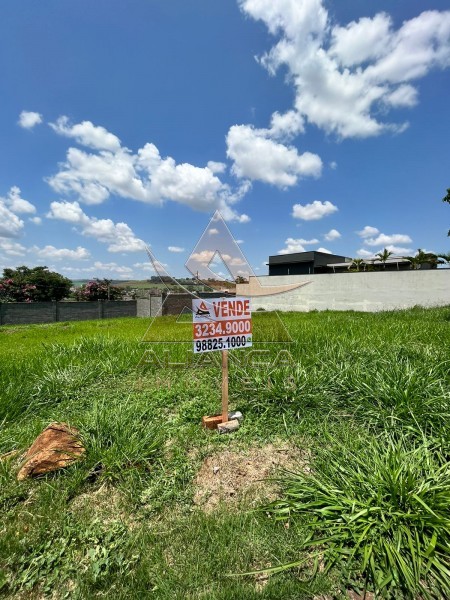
[{"x": 221, "y": 324}]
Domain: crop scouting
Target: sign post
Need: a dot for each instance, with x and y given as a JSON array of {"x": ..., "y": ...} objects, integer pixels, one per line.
[
  {"x": 224, "y": 386},
  {"x": 221, "y": 324}
]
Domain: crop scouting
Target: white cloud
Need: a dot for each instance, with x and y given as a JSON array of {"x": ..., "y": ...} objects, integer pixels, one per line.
[
  {"x": 373, "y": 237},
  {"x": 324, "y": 250},
  {"x": 404, "y": 95},
  {"x": 257, "y": 157},
  {"x": 144, "y": 266},
  {"x": 91, "y": 177},
  {"x": 10, "y": 224},
  {"x": 333, "y": 165},
  {"x": 11, "y": 248},
  {"x": 360, "y": 41},
  {"x": 29, "y": 119},
  {"x": 296, "y": 245},
  {"x": 94, "y": 177},
  {"x": 87, "y": 134},
  {"x": 212, "y": 256},
  {"x": 67, "y": 211},
  {"x": 118, "y": 236},
  {"x": 384, "y": 240},
  {"x": 60, "y": 253},
  {"x": 314, "y": 211},
  {"x": 332, "y": 235},
  {"x": 113, "y": 267},
  {"x": 398, "y": 250},
  {"x": 213, "y": 231},
  {"x": 101, "y": 269},
  {"x": 36, "y": 220},
  {"x": 368, "y": 231},
  {"x": 344, "y": 74},
  {"x": 363, "y": 253},
  {"x": 216, "y": 167},
  {"x": 235, "y": 217},
  {"x": 287, "y": 125},
  {"x": 17, "y": 204},
  {"x": 175, "y": 249}
]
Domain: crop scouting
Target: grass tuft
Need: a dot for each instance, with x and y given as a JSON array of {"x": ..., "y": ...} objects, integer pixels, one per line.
[{"x": 379, "y": 511}]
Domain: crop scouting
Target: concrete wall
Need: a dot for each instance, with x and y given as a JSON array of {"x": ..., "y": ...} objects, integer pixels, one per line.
[
  {"x": 16, "y": 313},
  {"x": 368, "y": 292},
  {"x": 175, "y": 304},
  {"x": 149, "y": 307}
]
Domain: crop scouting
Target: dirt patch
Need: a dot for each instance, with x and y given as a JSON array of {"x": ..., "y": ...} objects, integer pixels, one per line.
[
  {"x": 105, "y": 503},
  {"x": 235, "y": 477}
]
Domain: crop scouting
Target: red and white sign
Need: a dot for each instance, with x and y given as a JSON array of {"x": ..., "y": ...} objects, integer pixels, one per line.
[{"x": 221, "y": 324}]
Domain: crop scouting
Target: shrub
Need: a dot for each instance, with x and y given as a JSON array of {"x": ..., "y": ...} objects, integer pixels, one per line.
[{"x": 98, "y": 290}]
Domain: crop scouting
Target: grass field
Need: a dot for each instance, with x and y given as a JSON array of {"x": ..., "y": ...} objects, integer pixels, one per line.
[{"x": 358, "y": 404}]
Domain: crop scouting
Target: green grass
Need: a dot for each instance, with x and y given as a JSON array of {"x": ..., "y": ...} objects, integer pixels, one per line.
[
  {"x": 365, "y": 395},
  {"x": 378, "y": 509}
]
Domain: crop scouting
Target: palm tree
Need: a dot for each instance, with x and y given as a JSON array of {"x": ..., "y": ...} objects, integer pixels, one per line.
[
  {"x": 384, "y": 255},
  {"x": 358, "y": 262},
  {"x": 415, "y": 262},
  {"x": 421, "y": 255}
]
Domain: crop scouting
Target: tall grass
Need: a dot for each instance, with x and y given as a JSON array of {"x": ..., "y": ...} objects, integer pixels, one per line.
[
  {"x": 389, "y": 370},
  {"x": 57, "y": 372},
  {"x": 378, "y": 509}
]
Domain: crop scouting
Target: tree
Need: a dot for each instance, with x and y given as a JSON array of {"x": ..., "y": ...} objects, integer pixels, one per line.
[
  {"x": 384, "y": 255},
  {"x": 446, "y": 198},
  {"x": 36, "y": 284},
  {"x": 98, "y": 290},
  {"x": 358, "y": 262},
  {"x": 427, "y": 257},
  {"x": 415, "y": 262},
  {"x": 240, "y": 279},
  {"x": 445, "y": 258}
]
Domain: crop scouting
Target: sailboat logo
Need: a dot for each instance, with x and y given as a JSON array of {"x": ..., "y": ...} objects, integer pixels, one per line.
[{"x": 202, "y": 310}]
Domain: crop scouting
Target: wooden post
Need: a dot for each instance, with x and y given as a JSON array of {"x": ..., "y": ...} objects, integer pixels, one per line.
[{"x": 224, "y": 386}]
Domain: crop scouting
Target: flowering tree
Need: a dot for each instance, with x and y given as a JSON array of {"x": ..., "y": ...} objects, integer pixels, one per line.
[
  {"x": 16, "y": 292},
  {"x": 98, "y": 290},
  {"x": 36, "y": 284}
]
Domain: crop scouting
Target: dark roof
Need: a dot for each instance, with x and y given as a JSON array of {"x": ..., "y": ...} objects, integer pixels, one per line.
[{"x": 312, "y": 256}]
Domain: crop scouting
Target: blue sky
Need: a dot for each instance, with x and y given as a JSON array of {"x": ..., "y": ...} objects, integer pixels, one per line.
[{"x": 308, "y": 124}]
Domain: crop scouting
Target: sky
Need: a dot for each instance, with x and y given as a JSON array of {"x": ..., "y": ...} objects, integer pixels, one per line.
[{"x": 309, "y": 125}]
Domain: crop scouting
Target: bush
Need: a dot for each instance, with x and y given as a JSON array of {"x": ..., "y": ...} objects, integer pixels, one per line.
[{"x": 98, "y": 290}]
